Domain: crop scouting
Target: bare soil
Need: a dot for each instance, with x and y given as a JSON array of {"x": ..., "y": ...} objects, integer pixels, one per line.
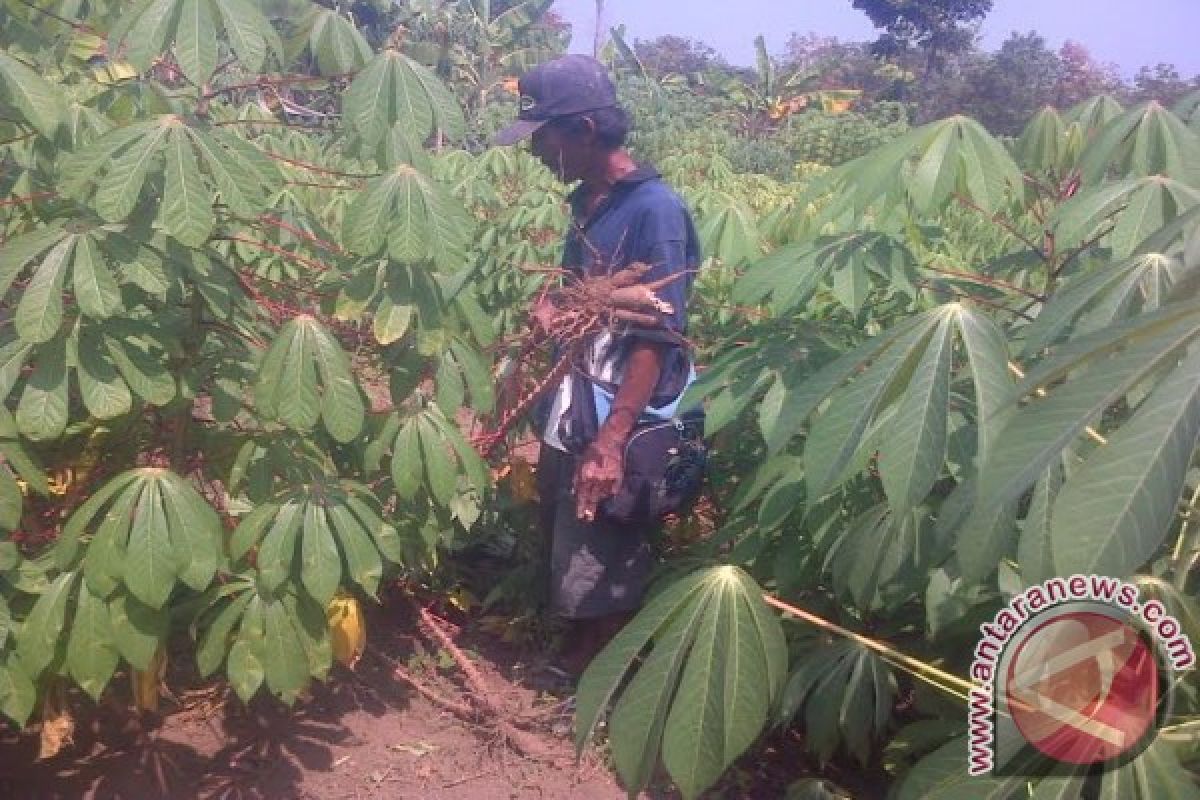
[{"x": 363, "y": 734}]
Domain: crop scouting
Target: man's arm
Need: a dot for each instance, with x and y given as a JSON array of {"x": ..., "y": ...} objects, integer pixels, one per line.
[{"x": 602, "y": 464}]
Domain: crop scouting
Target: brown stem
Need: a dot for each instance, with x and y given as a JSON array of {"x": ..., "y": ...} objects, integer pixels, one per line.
[
  {"x": 277, "y": 250},
  {"x": 987, "y": 281},
  {"x": 315, "y": 168},
  {"x": 305, "y": 235},
  {"x": 997, "y": 220},
  {"x": 481, "y": 691}
]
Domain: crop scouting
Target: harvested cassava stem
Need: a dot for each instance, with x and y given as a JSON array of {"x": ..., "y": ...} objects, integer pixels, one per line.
[{"x": 569, "y": 316}]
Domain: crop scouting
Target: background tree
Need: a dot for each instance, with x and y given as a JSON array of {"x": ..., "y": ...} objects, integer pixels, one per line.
[
  {"x": 677, "y": 54},
  {"x": 936, "y": 27},
  {"x": 1022, "y": 76},
  {"x": 1082, "y": 76},
  {"x": 1163, "y": 83}
]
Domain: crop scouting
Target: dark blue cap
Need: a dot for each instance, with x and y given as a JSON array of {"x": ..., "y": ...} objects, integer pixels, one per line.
[{"x": 567, "y": 85}]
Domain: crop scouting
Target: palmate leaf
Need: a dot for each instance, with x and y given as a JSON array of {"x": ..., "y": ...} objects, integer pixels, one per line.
[
  {"x": 792, "y": 273},
  {"x": 55, "y": 258},
  {"x": 1094, "y": 113},
  {"x": 1117, "y": 508},
  {"x": 702, "y": 695},
  {"x": 1146, "y": 140},
  {"x": 304, "y": 537},
  {"x": 428, "y": 451},
  {"x": 280, "y": 640},
  {"x": 846, "y": 692},
  {"x": 1042, "y": 145},
  {"x": 413, "y": 215},
  {"x": 1134, "y": 208},
  {"x": 305, "y": 377},
  {"x": 1100, "y": 369},
  {"x": 335, "y": 43},
  {"x": 394, "y": 88},
  {"x": 728, "y": 230},
  {"x": 951, "y": 156},
  {"x": 115, "y": 170},
  {"x": 192, "y": 27},
  {"x": 145, "y": 529}
]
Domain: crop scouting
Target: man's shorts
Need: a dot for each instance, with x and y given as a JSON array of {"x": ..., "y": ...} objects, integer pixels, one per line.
[{"x": 596, "y": 568}]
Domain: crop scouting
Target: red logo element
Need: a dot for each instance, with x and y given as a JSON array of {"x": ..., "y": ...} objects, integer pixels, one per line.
[{"x": 1083, "y": 687}]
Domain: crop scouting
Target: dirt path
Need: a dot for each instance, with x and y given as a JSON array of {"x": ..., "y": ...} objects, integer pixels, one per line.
[{"x": 361, "y": 736}]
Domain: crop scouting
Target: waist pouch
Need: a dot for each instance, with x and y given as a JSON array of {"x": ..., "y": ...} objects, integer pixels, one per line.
[
  {"x": 664, "y": 459},
  {"x": 663, "y": 471}
]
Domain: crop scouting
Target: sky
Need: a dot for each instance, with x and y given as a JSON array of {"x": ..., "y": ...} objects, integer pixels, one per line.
[{"x": 1128, "y": 33}]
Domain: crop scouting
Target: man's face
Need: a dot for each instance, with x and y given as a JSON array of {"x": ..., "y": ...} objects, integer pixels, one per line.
[{"x": 566, "y": 153}]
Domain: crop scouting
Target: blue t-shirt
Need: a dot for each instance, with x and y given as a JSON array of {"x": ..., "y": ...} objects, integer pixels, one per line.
[{"x": 641, "y": 220}]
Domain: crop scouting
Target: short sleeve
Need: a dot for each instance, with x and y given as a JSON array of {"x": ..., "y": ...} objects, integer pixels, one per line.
[{"x": 663, "y": 244}]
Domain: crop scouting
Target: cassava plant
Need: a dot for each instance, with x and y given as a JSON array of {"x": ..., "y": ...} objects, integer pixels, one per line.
[
  {"x": 960, "y": 369},
  {"x": 234, "y": 335}
]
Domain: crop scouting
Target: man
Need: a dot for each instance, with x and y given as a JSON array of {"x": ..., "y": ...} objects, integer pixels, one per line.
[{"x": 622, "y": 213}]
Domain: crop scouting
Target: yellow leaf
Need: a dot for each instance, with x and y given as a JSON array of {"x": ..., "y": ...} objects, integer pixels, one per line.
[
  {"x": 521, "y": 480},
  {"x": 57, "y": 723},
  {"x": 145, "y": 683},
  {"x": 347, "y": 629}
]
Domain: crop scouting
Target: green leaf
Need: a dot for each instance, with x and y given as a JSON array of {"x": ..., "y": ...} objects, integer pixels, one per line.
[
  {"x": 238, "y": 187},
  {"x": 717, "y": 665},
  {"x": 1034, "y": 553},
  {"x": 299, "y": 404},
  {"x": 186, "y": 211},
  {"x": 837, "y": 433},
  {"x": 104, "y": 561},
  {"x": 95, "y": 288},
  {"x": 143, "y": 369},
  {"x": 249, "y": 33},
  {"x": 393, "y": 316},
  {"x": 1038, "y": 432},
  {"x": 284, "y": 657},
  {"x": 338, "y": 46},
  {"x": 384, "y": 535},
  {"x": 914, "y": 448},
  {"x": 39, "y": 313},
  {"x": 119, "y": 189},
  {"x": 34, "y": 98},
  {"x": 987, "y": 359},
  {"x": 18, "y": 695},
  {"x": 439, "y": 470},
  {"x": 278, "y": 548},
  {"x": 1117, "y": 508},
  {"x": 150, "y": 567},
  {"x": 320, "y": 563},
  {"x": 246, "y": 666},
  {"x": 37, "y": 642},
  {"x": 147, "y": 29},
  {"x": 196, "y": 41},
  {"x": 214, "y": 642},
  {"x": 641, "y": 712},
  {"x": 138, "y": 630},
  {"x": 42, "y": 411},
  {"x": 20, "y": 250},
  {"x": 91, "y": 653},
  {"x": 195, "y": 531},
  {"x": 104, "y": 392},
  {"x": 362, "y": 557},
  {"x": 342, "y": 408},
  {"x": 10, "y": 504}
]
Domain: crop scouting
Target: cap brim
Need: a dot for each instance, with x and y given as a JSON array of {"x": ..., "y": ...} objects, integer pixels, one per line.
[{"x": 517, "y": 131}]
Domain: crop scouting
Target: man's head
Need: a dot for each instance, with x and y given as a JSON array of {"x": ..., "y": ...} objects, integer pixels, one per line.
[{"x": 569, "y": 108}]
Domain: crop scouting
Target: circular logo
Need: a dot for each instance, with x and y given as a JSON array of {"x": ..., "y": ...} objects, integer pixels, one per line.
[{"x": 1083, "y": 687}]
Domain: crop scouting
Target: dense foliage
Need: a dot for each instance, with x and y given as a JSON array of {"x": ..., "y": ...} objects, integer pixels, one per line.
[{"x": 259, "y": 274}]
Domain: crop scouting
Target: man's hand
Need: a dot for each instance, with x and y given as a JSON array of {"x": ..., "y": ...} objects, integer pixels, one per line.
[{"x": 598, "y": 476}]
